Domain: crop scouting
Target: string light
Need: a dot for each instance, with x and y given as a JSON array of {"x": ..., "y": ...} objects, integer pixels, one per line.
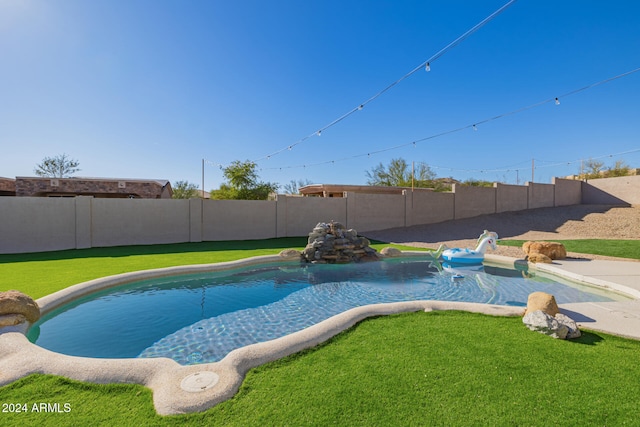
[
  {"x": 427, "y": 67},
  {"x": 557, "y": 101},
  {"x": 474, "y": 126},
  {"x": 441, "y": 52}
]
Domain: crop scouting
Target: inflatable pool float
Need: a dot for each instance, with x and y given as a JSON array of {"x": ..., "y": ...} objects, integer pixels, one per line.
[{"x": 471, "y": 256}]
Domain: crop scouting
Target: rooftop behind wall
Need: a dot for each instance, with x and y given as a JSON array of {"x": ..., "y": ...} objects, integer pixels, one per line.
[
  {"x": 123, "y": 188},
  {"x": 7, "y": 187}
]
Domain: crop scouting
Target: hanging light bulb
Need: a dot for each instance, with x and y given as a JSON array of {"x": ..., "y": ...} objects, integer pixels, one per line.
[
  {"x": 427, "y": 67},
  {"x": 319, "y": 133},
  {"x": 361, "y": 107},
  {"x": 475, "y": 127},
  {"x": 557, "y": 101},
  {"x": 290, "y": 147}
]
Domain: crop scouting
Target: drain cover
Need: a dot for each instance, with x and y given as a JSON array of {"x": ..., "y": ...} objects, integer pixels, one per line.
[{"x": 199, "y": 381}]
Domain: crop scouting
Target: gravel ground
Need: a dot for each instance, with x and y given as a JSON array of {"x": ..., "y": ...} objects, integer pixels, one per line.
[{"x": 558, "y": 223}]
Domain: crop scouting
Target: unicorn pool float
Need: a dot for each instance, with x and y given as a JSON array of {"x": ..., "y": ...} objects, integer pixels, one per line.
[{"x": 471, "y": 256}]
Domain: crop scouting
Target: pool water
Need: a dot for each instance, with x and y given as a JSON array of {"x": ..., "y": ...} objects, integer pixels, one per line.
[{"x": 201, "y": 318}]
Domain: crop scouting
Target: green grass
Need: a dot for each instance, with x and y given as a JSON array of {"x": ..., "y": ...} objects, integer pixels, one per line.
[
  {"x": 616, "y": 248},
  {"x": 42, "y": 273},
  {"x": 439, "y": 368}
]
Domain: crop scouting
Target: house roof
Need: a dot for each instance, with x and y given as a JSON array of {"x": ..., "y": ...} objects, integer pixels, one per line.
[{"x": 341, "y": 188}]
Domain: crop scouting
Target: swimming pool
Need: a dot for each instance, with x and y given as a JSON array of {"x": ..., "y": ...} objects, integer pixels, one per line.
[{"x": 200, "y": 318}]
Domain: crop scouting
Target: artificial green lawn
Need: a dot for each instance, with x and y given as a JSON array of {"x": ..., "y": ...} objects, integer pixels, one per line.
[
  {"x": 439, "y": 368},
  {"x": 616, "y": 248}
]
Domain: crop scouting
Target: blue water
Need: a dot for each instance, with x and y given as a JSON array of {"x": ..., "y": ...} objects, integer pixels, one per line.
[{"x": 201, "y": 318}]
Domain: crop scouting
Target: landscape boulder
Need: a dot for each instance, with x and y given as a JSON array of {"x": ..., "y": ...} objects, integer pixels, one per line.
[
  {"x": 542, "y": 322},
  {"x": 15, "y": 302},
  {"x": 542, "y": 301},
  {"x": 542, "y": 315},
  {"x": 391, "y": 252},
  {"x": 539, "y": 258},
  {"x": 553, "y": 250},
  {"x": 289, "y": 254},
  {"x": 559, "y": 326}
]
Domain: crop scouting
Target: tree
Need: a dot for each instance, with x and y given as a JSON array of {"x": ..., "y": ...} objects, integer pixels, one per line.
[
  {"x": 472, "y": 182},
  {"x": 293, "y": 187},
  {"x": 243, "y": 183},
  {"x": 60, "y": 166},
  {"x": 398, "y": 174},
  {"x": 185, "y": 190},
  {"x": 593, "y": 169},
  {"x": 619, "y": 169}
]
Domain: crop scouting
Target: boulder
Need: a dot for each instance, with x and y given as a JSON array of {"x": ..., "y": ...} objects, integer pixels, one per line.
[
  {"x": 542, "y": 301},
  {"x": 11, "y": 320},
  {"x": 542, "y": 322},
  {"x": 391, "y": 252},
  {"x": 539, "y": 258},
  {"x": 559, "y": 326},
  {"x": 574, "y": 331},
  {"x": 15, "y": 302},
  {"x": 553, "y": 250},
  {"x": 290, "y": 254}
]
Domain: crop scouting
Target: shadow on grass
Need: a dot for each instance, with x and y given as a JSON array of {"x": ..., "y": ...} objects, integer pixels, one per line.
[
  {"x": 174, "y": 248},
  {"x": 587, "y": 338}
]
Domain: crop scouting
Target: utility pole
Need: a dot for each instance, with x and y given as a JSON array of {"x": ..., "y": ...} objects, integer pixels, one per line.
[
  {"x": 412, "y": 175},
  {"x": 532, "y": 168}
]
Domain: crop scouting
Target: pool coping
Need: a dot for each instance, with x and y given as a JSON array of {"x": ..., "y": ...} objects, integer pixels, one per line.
[{"x": 181, "y": 389}]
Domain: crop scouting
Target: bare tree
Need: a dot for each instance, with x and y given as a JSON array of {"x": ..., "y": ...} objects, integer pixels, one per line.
[
  {"x": 293, "y": 187},
  {"x": 60, "y": 166}
]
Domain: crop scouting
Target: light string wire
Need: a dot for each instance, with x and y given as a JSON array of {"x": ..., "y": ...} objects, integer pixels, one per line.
[
  {"x": 424, "y": 64},
  {"x": 474, "y": 125},
  {"x": 536, "y": 167}
]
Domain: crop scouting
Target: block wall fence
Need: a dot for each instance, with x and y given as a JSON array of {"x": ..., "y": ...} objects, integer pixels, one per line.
[{"x": 34, "y": 224}]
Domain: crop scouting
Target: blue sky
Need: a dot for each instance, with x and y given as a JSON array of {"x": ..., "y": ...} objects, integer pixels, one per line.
[{"x": 149, "y": 88}]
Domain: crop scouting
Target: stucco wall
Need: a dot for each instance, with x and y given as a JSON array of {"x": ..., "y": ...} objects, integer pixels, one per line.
[
  {"x": 298, "y": 215},
  {"x": 430, "y": 208},
  {"x": 31, "y": 224},
  {"x": 118, "y": 222},
  {"x": 238, "y": 219},
  {"x": 567, "y": 192},
  {"x": 367, "y": 212},
  {"x": 473, "y": 201},
  {"x": 541, "y": 195},
  {"x": 624, "y": 189},
  {"x": 34, "y": 224},
  {"x": 511, "y": 197}
]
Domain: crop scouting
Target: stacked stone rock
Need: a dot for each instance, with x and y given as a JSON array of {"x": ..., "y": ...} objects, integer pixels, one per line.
[{"x": 333, "y": 243}]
